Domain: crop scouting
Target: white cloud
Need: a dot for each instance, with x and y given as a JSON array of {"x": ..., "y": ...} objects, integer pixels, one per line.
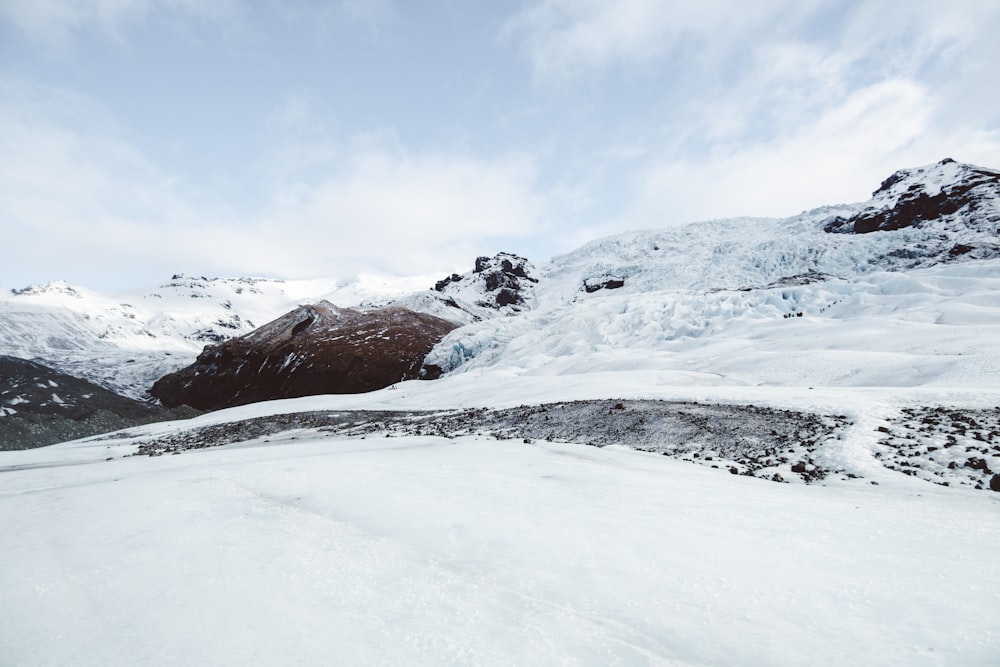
[
  {"x": 568, "y": 38},
  {"x": 54, "y": 21},
  {"x": 76, "y": 195},
  {"x": 840, "y": 157},
  {"x": 772, "y": 107},
  {"x": 404, "y": 214},
  {"x": 573, "y": 37}
]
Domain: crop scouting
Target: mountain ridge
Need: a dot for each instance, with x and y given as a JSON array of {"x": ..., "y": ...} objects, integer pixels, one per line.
[{"x": 126, "y": 343}]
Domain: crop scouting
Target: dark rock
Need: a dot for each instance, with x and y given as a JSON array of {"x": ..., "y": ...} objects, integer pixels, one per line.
[
  {"x": 441, "y": 284},
  {"x": 978, "y": 464},
  {"x": 500, "y": 282},
  {"x": 960, "y": 249},
  {"x": 995, "y": 483},
  {"x": 41, "y": 406},
  {"x": 318, "y": 349},
  {"x": 913, "y": 205},
  {"x": 430, "y": 372},
  {"x": 591, "y": 285}
]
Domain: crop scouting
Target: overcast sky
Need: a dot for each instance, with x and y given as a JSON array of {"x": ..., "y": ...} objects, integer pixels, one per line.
[{"x": 139, "y": 138}]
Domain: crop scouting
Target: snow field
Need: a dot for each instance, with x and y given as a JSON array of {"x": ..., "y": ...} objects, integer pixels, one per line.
[{"x": 477, "y": 551}]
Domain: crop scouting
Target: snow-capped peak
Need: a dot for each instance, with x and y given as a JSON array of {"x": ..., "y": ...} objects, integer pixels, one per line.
[{"x": 937, "y": 192}]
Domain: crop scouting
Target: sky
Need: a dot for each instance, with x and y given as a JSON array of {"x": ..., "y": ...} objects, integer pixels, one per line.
[{"x": 302, "y": 139}]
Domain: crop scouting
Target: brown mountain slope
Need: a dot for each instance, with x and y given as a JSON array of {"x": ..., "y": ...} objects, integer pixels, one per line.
[{"x": 318, "y": 349}]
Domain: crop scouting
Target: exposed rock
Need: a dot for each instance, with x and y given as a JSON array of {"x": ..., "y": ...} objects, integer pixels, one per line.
[
  {"x": 318, "y": 349},
  {"x": 912, "y": 197},
  {"x": 960, "y": 249},
  {"x": 503, "y": 282},
  {"x": 746, "y": 439},
  {"x": 40, "y": 406},
  {"x": 591, "y": 285}
]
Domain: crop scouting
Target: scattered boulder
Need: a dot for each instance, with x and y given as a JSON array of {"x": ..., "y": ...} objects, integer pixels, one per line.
[{"x": 591, "y": 285}]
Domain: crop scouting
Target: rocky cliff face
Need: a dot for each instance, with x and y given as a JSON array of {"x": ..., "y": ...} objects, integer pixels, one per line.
[
  {"x": 949, "y": 190},
  {"x": 503, "y": 282},
  {"x": 317, "y": 349},
  {"x": 40, "y": 406}
]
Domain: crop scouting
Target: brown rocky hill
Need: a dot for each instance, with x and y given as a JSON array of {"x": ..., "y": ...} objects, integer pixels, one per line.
[{"x": 317, "y": 349}]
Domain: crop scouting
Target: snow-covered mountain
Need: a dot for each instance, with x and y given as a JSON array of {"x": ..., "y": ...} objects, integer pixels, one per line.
[
  {"x": 753, "y": 442},
  {"x": 761, "y": 301},
  {"x": 125, "y": 342},
  {"x": 803, "y": 300}
]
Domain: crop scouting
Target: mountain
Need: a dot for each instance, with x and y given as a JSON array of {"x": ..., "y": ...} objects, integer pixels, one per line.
[
  {"x": 502, "y": 283},
  {"x": 935, "y": 195},
  {"x": 315, "y": 349},
  {"x": 40, "y": 406},
  {"x": 677, "y": 299},
  {"x": 126, "y": 341},
  {"x": 750, "y": 441},
  {"x": 798, "y": 301}
]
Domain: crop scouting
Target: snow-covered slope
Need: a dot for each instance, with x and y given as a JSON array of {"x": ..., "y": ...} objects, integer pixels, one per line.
[
  {"x": 804, "y": 300},
  {"x": 759, "y": 301}
]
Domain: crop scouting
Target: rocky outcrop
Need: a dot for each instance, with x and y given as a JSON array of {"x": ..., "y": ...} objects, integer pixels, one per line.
[
  {"x": 913, "y": 197},
  {"x": 502, "y": 282},
  {"x": 317, "y": 349},
  {"x": 591, "y": 285},
  {"x": 41, "y": 406}
]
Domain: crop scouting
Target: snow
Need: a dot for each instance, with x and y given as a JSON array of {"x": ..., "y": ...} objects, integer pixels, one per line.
[
  {"x": 309, "y": 547},
  {"x": 424, "y": 550},
  {"x": 939, "y": 325}
]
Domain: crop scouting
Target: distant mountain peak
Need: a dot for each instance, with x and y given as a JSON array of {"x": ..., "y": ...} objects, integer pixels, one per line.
[{"x": 60, "y": 287}]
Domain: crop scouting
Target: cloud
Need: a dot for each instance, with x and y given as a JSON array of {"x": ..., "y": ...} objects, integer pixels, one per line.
[
  {"x": 772, "y": 107},
  {"x": 53, "y": 22},
  {"x": 77, "y": 195},
  {"x": 403, "y": 213},
  {"x": 570, "y": 38},
  {"x": 840, "y": 157}
]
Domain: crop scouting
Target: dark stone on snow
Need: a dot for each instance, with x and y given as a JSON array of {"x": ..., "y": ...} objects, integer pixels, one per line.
[
  {"x": 978, "y": 464},
  {"x": 960, "y": 249},
  {"x": 503, "y": 279},
  {"x": 591, "y": 285}
]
